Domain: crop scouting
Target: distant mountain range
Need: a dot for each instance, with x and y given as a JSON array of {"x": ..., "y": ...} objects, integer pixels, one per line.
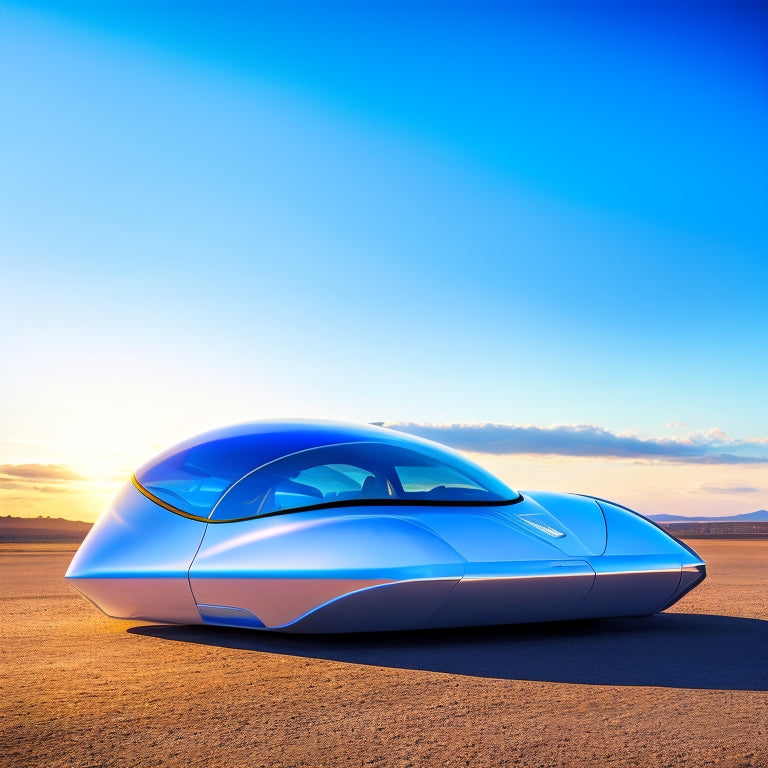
[
  {"x": 42, "y": 529},
  {"x": 49, "y": 529},
  {"x": 761, "y": 516}
]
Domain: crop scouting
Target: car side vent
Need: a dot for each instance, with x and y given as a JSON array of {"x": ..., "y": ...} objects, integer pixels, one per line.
[{"x": 541, "y": 523}]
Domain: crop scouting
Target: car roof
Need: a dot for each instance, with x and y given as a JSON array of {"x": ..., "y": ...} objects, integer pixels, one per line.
[{"x": 272, "y": 439}]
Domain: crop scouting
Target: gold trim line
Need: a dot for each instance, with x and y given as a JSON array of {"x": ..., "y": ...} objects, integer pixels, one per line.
[{"x": 165, "y": 504}]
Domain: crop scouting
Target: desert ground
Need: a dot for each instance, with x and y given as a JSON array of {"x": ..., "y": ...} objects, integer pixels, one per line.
[{"x": 688, "y": 687}]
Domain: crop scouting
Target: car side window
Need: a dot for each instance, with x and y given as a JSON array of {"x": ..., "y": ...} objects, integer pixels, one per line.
[
  {"x": 436, "y": 482},
  {"x": 335, "y": 480},
  {"x": 283, "y": 486},
  {"x": 352, "y": 473}
]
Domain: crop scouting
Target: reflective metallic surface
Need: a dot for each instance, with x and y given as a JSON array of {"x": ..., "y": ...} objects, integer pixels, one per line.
[
  {"x": 373, "y": 566},
  {"x": 281, "y": 568},
  {"x": 134, "y": 562}
]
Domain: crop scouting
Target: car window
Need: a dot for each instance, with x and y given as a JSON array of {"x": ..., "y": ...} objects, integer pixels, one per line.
[
  {"x": 193, "y": 477},
  {"x": 436, "y": 482},
  {"x": 358, "y": 473}
]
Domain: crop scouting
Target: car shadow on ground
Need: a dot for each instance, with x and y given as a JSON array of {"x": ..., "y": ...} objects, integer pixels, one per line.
[{"x": 671, "y": 650}]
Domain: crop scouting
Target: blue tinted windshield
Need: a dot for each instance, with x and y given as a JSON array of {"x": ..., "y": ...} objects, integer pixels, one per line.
[
  {"x": 193, "y": 479},
  {"x": 271, "y": 467}
]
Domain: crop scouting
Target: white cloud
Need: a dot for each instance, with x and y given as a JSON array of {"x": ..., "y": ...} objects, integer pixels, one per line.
[
  {"x": 33, "y": 472},
  {"x": 709, "y": 447},
  {"x": 729, "y": 489}
]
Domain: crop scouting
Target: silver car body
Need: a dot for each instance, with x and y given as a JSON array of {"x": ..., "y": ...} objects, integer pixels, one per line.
[{"x": 373, "y": 564}]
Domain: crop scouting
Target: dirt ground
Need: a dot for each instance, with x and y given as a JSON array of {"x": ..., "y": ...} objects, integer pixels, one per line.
[{"x": 685, "y": 688}]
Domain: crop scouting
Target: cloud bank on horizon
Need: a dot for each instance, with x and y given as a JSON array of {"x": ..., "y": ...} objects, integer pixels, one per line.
[
  {"x": 37, "y": 478},
  {"x": 589, "y": 440},
  {"x": 39, "y": 472}
]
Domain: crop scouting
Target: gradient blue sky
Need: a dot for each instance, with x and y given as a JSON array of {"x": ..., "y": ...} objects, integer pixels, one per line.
[{"x": 530, "y": 214}]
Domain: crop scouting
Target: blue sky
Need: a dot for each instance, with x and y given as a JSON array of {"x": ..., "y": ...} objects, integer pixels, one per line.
[{"x": 537, "y": 215}]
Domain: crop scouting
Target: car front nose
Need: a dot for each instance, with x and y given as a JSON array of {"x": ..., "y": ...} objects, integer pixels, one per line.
[{"x": 134, "y": 563}]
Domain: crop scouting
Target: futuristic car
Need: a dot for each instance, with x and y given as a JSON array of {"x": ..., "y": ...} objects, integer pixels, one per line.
[{"x": 332, "y": 527}]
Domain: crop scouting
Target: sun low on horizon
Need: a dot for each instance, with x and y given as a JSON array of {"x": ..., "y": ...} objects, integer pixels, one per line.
[{"x": 536, "y": 235}]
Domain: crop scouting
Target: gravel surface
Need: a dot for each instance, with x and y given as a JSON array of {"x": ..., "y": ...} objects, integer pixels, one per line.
[{"x": 685, "y": 688}]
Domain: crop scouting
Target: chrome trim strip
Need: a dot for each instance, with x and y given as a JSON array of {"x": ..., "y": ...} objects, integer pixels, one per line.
[{"x": 638, "y": 573}]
